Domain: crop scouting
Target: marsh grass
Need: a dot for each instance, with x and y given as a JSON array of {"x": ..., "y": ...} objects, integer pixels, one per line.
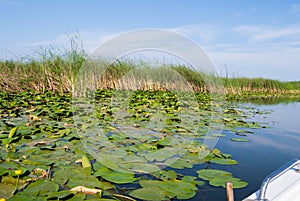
[
  {"x": 260, "y": 85},
  {"x": 128, "y": 75},
  {"x": 49, "y": 69},
  {"x": 60, "y": 71}
]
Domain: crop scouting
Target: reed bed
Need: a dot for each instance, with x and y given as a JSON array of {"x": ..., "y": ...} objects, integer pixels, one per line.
[{"x": 61, "y": 72}]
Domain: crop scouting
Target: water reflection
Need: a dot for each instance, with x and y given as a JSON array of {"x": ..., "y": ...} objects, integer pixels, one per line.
[
  {"x": 267, "y": 150},
  {"x": 270, "y": 100}
]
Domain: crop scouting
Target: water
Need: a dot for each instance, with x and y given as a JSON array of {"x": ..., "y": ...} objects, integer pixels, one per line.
[{"x": 268, "y": 149}]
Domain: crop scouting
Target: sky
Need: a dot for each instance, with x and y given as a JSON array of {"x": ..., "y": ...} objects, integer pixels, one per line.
[{"x": 243, "y": 38}]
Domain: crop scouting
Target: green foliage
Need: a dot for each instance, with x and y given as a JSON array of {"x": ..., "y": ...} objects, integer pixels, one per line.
[
  {"x": 219, "y": 178},
  {"x": 46, "y": 158}
]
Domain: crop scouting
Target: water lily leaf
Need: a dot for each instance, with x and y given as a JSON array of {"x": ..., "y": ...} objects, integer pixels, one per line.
[
  {"x": 224, "y": 161},
  {"x": 144, "y": 167},
  {"x": 3, "y": 135},
  {"x": 177, "y": 187},
  {"x": 186, "y": 195},
  {"x": 165, "y": 141},
  {"x": 216, "y": 151},
  {"x": 149, "y": 183},
  {"x": 3, "y": 171},
  {"x": 109, "y": 163},
  {"x": 240, "y": 139},
  {"x": 33, "y": 162},
  {"x": 102, "y": 171},
  {"x": 199, "y": 183},
  {"x": 60, "y": 195},
  {"x": 123, "y": 197},
  {"x": 74, "y": 176},
  {"x": 208, "y": 174},
  {"x": 86, "y": 163},
  {"x": 226, "y": 155},
  {"x": 161, "y": 154},
  {"x": 188, "y": 179},
  {"x": 192, "y": 180},
  {"x": 119, "y": 177},
  {"x": 236, "y": 182},
  {"x": 27, "y": 197},
  {"x": 78, "y": 197},
  {"x": 178, "y": 163},
  {"x": 169, "y": 174},
  {"x": 41, "y": 188},
  {"x": 7, "y": 189},
  {"x": 149, "y": 193}
]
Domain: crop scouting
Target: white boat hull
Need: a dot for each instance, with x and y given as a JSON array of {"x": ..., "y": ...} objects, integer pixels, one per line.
[{"x": 281, "y": 185}]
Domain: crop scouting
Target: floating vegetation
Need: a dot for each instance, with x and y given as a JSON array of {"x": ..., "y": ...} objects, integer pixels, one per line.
[
  {"x": 240, "y": 139},
  {"x": 219, "y": 178},
  {"x": 142, "y": 146}
]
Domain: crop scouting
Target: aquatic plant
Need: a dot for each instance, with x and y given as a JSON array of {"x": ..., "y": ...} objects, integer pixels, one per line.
[{"x": 42, "y": 156}]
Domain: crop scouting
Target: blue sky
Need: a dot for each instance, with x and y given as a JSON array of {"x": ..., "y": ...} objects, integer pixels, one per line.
[{"x": 252, "y": 38}]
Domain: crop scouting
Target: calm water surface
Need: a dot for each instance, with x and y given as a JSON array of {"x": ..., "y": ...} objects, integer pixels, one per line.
[{"x": 268, "y": 149}]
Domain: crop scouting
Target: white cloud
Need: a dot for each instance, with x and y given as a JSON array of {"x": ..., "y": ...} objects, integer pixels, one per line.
[
  {"x": 247, "y": 30},
  {"x": 273, "y": 34},
  {"x": 203, "y": 33},
  {"x": 58, "y": 41},
  {"x": 92, "y": 40},
  {"x": 89, "y": 39},
  {"x": 258, "y": 33},
  {"x": 282, "y": 65}
]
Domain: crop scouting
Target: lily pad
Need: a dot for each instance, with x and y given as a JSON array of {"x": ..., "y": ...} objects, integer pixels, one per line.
[
  {"x": 240, "y": 139},
  {"x": 224, "y": 161},
  {"x": 3, "y": 171},
  {"x": 236, "y": 182},
  {"x": 86, "y": 163},
  {"x": 218, "y": 135},
  {"x": 177, "y": 187},
  {"x": 144, "y": 167},
  {"x": 186, "y": 195},
  {"x": 41, "y": 188},
  {"x": 119, "y": 177},
  {"x": 149, "y": 193},
  {"x": 219, "y": 178},
  {"x": 60, "y": 195},
  {"x": 208, "y": 174},
  {"x": 178, "y": 163}
]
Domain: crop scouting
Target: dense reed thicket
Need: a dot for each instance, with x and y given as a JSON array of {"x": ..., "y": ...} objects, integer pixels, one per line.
[{"x": 58, "y": 73}]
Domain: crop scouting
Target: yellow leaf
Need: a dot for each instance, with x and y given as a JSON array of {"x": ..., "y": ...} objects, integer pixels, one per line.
[
  {"x": 85, "y": 162},
  {"x": 12, "y": 132}
]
